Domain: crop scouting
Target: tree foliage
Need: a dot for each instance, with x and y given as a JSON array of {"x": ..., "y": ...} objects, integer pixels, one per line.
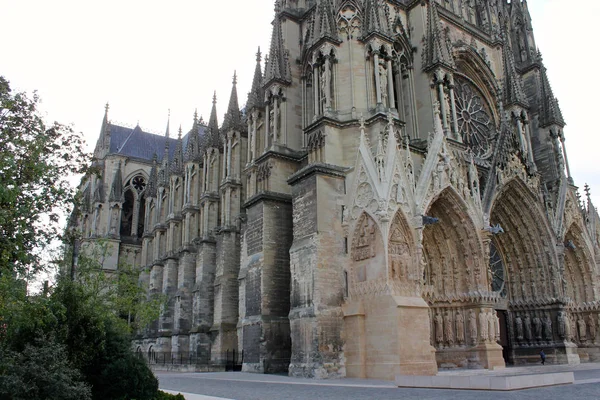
[
  {"x": 70, "y": 342},
  {"x": 35, "y": 163}
]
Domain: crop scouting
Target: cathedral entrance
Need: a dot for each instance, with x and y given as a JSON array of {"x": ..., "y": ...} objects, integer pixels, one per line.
[
  {"x": 531, "y": 287},
  {"x": 464, "y": 324}
]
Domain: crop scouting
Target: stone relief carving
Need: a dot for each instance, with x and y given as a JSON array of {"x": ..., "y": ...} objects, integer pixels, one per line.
[
  {"x": 460, "y": 329},
  {"x": 363, "y": 244},
  {"x": 448, "y": 328},
  {"x": 473, "y": 327}
]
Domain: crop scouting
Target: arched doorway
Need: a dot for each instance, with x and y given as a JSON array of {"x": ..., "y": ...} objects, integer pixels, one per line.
[
  {"x": 464, "y": 326},
  {"x": 532, "y": 284}
]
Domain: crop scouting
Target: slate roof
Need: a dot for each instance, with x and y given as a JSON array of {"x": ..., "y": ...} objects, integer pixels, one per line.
[{"x": 134, "y": 142}]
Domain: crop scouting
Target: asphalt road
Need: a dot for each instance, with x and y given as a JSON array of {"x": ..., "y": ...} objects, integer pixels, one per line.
[{"x": 266, "y": 387}]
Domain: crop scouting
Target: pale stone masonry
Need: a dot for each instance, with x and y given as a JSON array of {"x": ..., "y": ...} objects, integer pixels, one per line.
[{"x": 395, "y": 197}]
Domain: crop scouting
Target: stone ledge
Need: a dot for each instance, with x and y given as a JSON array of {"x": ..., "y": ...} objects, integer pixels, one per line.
[{"x": 482, "y": 382}]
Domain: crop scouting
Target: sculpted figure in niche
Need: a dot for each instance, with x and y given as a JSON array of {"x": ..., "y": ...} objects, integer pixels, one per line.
[
  {"x": 460, "y": 328},
  {"x": 573, "y": 325},
  {"x": 383, "y": 84},
  {"x": 326, "y": 84},
  {"x": 527, "y": 326},
  {"x": 497, "y": 322},
  {"x": 473, "y": 327},
  {"x": 582, "y": 329},
  {"x": 491, "y": 326},
  {"x": 522, "y": 48},
  {"x": 519, "y": 327},
  {"x": 562, "y": 325},
  {"x": 547, "y": 327},
  {"x": 483, "y": 325},
  {"x": 537, "y": 327},
  {"x": 439, "y": 329},
  {"x": 592, "y": 327},
  {"x": 448, "y": 329},
  {"x": 114, "y": 220}
]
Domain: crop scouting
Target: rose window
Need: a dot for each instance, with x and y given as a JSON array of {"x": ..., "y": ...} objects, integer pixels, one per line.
[
  {"x": 139, "y": 183},
  {"x": 474, "y": 121}
]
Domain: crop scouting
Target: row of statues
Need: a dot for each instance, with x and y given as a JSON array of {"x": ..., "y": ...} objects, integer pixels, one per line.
[
  {"x": 538, "y": 326},
  {"x": 452, "y": 328},
  {"x": 533, "y": 329}
]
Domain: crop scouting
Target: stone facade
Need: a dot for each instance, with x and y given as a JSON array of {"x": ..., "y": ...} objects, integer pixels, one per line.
[{"x": 394, "y": 198}]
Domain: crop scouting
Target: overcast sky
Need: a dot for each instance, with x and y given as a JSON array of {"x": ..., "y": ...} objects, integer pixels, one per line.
[{"x": 145, "y": 57}]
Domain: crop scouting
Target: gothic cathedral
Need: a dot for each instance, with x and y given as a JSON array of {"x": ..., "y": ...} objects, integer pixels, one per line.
[{"x": 393, "y": 198}]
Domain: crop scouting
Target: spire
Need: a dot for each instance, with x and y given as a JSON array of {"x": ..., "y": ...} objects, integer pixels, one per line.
[
  {"x": 104, "y": 138},
  {"x": 168, "y": 123},
  {"x": 277, "y": 66},
  {"x": 324, "y": 22},
  {"x": 513, "y": 85},
  {"x": 99, "y": 191},
  {"x": 255, "y": 96},
  {"x": 233, "y": 117},
  {"x": 376, "y": 18},
  {"x": 192, "y": 152},
  {"x": 437, "y": 47},
  {"x": 550, "y": 113},
  {"x": 212, "y": 136},
  {"x": 176, "y": 166},
  {"x": 116, "y": 190},
  {"x": 153, "y": 180}
]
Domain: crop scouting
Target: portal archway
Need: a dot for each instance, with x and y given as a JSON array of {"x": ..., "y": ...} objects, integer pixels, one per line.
[
  {"x": 532, "y": 275},
  {"x": 452, "y": 250}
]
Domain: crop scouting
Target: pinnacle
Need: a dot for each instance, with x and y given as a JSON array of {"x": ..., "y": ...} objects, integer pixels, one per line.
[{"x": 437, "y": 46}]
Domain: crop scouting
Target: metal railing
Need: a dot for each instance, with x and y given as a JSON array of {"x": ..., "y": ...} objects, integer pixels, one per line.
[{"x": 230, "y": 360}]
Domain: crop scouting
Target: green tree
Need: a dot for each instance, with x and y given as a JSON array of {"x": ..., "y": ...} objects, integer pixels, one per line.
[{"x": 36, "y": 161}]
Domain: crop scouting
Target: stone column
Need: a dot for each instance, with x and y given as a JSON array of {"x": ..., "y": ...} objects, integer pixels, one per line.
[
  {"x": 439, "y": 75},
  {"x": 229, "y": 140},
  {"x": 522, "y": 139},
  {"x": 275, "y": 117},
  {"x": 316, "y": 86},
  {"x": 267, "y": 125},
  {"x": 390, "y": 77},
  {"x": 528, "y": 139},
  {"x": 453, "y": 109},
  {"x": 377, "y": 82},
  {"x": 564, "y": 151}
]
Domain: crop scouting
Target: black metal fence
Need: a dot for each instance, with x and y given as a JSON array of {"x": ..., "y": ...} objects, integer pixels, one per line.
[{"x": 230, "y": 360}]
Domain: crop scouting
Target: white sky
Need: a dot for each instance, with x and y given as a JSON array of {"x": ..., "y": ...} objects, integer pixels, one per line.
[{"x": 145, "y": 57}]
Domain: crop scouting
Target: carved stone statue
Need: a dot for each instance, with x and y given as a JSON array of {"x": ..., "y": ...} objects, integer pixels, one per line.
[
  {"x": 592, "y": 327},
  {"x": 582, "y": 329},
  {"x": 497, "y": 323},
  {"x": 439, "y": 329},
  {"x": 573, "y": 326},
  {"x": 562, "y": 325},
  {"x": 473, "y": 326},
  {"x": 448, "y": 328},
  {"x": 519, "y": 327},
  {"x": 491, "y": 326},
  {"x": 547, "y": 328},
  {"x": 527, "y": 326},
  {"x": 537, "y": 327},
  {"x": 483, "y": 326},
  {"x": 460, "y": 328},
  {"x": 383, "y": 84}
]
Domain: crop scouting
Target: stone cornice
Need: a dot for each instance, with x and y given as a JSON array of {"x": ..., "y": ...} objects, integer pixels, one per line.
[
  {"x": 320, "y": 169},
  {"x": 282, "y": 153},
  {"x": 268, "y": 196}
]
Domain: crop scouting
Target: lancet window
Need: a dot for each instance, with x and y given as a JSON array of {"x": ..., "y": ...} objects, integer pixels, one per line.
[{"x": 133, "y": 209}]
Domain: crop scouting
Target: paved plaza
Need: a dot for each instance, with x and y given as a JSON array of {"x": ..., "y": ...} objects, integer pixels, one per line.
[{"x": 244, "y": 386}]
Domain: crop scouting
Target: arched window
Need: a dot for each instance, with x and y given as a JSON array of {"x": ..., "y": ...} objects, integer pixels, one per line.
[
  {"x": 127, "y": 214},
  {"x": 134, "y": 207}
]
